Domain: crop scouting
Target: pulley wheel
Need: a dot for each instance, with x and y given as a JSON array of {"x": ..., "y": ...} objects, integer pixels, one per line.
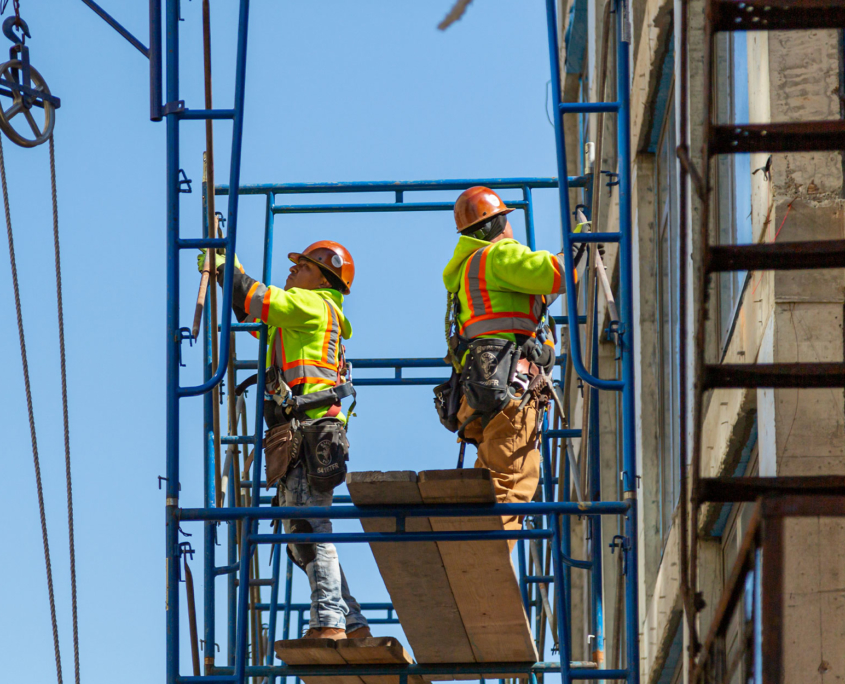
[{"x": 32, "y": 133}]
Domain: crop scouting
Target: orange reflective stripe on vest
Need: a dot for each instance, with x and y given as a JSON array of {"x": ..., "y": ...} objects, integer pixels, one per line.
[
  {"x": 486, "y": 316},
  {"x": 322, "y": 370}
]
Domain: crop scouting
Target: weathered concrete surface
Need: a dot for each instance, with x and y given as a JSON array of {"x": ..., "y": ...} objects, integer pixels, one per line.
[
  {"x": 662, "y": 613},
  {"x": 651, "y": 47},
  {"x": 814, "y": 600}
]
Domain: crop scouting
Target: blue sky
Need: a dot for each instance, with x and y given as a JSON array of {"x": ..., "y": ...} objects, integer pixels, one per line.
[{"x": 336, "y": 91}]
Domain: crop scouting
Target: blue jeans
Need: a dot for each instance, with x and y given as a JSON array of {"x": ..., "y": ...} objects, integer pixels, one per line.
[{"x": 331, "y": 603}]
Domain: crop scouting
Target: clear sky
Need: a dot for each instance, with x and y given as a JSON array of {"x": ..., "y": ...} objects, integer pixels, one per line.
[{"x": 336, "y": 91}]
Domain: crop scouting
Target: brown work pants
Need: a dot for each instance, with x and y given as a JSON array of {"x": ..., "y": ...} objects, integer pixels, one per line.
[{"x": 507, "y": 447}]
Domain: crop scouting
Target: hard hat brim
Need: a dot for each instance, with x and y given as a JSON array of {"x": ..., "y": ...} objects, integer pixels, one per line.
[
  {"x": 484, "y": 219},
  {"x": 296, "y": 256}
]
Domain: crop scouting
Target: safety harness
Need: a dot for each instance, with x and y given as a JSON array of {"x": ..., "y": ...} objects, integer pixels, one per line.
[{"x": 488, "y": 370}]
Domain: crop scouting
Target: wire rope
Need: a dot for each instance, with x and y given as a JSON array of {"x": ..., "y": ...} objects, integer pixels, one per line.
[
  {"x": 66, "y": 422},
  {"x": 31, "y": 414}
]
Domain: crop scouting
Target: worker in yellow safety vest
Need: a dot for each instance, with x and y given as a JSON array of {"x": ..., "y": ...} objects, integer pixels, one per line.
[
  {"x": 305, "y": 445},
  {"x": 500, "y": 344}
]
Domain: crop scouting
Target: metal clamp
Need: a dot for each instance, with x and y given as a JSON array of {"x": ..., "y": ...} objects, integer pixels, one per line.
[
  {"x": 184, "y": 182},
  {"x": 614, "y": 331},
  {"x": 612, "y": 178},
  {"x": 184, "y": 334},
  {"x": 624, "y": 544}
]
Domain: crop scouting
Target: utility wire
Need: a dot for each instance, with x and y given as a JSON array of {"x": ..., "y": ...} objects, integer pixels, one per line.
[
  {"x": 64, "y": 408},
  {"x": 31, "y": 414}
]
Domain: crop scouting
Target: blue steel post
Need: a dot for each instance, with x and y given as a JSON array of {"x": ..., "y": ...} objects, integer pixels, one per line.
[
  {"x": 626, "y": 313},
  {"x": 274, "y": 601},
  {"x": 523, "y": 572},
  {"x": 209, "y": 495},
  {"x": 596, "y": 595},
  {"x": 529, "y": 216},
  {"x": 565, "y": 219},
  {"x": 562, "y": 596},
  {"x": 566, "y": 534},
  {"x": 267, "y": 269},
  {"x": 231, "y": 591},
  {"x": 172, "y": 346}
]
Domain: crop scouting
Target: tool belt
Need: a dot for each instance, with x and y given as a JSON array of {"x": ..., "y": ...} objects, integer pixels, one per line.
[
  {"x": 281, "y": 410},
  {"x": 496, "y": 372},
  {"x": 320, "y": 444}
]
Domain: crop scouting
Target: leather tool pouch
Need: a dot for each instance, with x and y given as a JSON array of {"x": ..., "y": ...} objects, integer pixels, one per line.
[
  {"x": 447, "y": 401},
  {"x": 281, "y": 450},
  {"x": 325, "y": 451},
  {"x": 489, "y": 370}
]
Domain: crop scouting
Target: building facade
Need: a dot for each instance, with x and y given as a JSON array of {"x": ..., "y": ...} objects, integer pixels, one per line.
[{"x": 754, "y": 317}]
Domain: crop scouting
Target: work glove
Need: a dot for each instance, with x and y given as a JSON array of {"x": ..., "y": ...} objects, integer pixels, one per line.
[
  {"x": 219, "y": 260},
  {"x": 540, "y": 354}
]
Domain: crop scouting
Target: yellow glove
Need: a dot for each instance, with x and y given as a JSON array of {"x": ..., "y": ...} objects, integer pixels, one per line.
[{"x": 219, "y": 260}]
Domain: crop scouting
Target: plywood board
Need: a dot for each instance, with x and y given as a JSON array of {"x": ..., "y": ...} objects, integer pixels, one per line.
[
  {"x": 480, "y": 573},
  {"x": 380, "y": 650},
  {"x": 314, "y": 652},
  {"x": 413, "y": 572}
]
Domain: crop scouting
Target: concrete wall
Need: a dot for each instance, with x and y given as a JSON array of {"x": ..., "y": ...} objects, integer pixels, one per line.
[{"x": 788, "y": 316}]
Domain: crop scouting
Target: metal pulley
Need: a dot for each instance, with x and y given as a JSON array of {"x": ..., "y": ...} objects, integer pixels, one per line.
[{"x": 28, "y": 90}]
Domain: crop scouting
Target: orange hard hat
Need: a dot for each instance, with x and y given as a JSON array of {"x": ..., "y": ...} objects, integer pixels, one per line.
[
  {"x": 477, "y": 205},
  {"x": 331, "y": 256}
]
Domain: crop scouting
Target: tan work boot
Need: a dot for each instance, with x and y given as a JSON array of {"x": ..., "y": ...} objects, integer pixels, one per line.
[
  {"x": 325, "y": 633},
  {"x": 360, "y": 633}
]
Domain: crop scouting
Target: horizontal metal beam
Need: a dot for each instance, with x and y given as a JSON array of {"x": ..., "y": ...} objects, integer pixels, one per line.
[
  {"x": 376, "y": 208},
  {"x": 432, "y": 511},
  {"x": 410, "y": 670},
  {"x": 762, "y": 375},
  {"x": 776, "y": 256},
  {"x": 588, "y": 107},
  {"x": 804, "y": 136},
  {"x": 776, "y": 15},
  {"x": 402, "y": 186},
  {"x": 595, "y": 237},
  {"x": 206, "y": 114},
  {"x": 395, "y": 537},
  {"x": 736, "y": 489}
]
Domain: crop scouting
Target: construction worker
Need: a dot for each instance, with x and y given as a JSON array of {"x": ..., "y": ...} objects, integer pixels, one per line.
[
  {"x": 499, "y": 291},
  {"x": 305, "y": 445}
]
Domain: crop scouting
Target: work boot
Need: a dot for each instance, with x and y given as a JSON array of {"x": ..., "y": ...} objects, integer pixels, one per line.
[
  {"x": 335, "y": 633},
  {"x": 360, "y": 633}
]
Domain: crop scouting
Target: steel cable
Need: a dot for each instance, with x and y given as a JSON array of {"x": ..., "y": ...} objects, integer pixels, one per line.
[
  {"x": 65, "y": 420},
  {"x": 30, "y": 413}
]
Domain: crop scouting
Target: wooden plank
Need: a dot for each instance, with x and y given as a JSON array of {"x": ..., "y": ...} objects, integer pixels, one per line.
[
  {"x": 377, "y": 650},
  {"x": 480, "y": 573},
  {"x": 314, "y": 652},
  {"x": 413, "y": 572}
]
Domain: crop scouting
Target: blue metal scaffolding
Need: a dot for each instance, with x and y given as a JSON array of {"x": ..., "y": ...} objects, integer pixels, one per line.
[{"x": 546, "y": 516}]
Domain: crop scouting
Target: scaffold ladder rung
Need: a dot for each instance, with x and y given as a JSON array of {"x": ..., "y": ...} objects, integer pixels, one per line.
[
  {"x": 762, "y": 375},
  {"x": 776, "y": 256},
  {"x": 798, "y": 136},
  {"x": 776, "y": 15}
]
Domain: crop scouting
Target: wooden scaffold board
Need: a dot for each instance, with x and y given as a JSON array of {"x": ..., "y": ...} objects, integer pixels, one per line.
[
  {"x": 376, "y": 650},
  {"x": 457, "y": 601}
]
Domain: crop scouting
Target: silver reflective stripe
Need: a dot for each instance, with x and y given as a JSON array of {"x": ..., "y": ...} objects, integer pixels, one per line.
[
  {"x": 256, "y": 304},
  {"x": 537, "y": 307},
  {"x": 473, "y": 272},
  {"x": 277, "y": 346},
  {"x": 306, "y": 370},
  {"x": 493, "y": 325},
  {"x": 560, "y": 265},
  {"x": 331, "y": 352}
]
